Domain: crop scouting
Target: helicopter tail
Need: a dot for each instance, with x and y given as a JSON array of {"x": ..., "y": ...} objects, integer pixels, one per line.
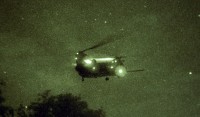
[{"x": 138, "y": 70}]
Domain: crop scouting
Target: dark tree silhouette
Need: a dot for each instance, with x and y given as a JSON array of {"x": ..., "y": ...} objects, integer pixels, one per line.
[
  {"x": 63, "y": 105},
  {"x": 5, "y": 111}
]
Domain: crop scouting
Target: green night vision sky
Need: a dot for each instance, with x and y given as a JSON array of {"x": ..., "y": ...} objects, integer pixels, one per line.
[{"x": 39, "y": 39}]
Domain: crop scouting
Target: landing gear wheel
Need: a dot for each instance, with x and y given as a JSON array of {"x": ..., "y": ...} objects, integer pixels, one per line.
[{"x": 107, "y": 78}]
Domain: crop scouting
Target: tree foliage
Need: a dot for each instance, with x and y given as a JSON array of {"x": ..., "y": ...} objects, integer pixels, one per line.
[
  {"x": 63, "y": 105},
  {"x": 5, "y": 111}
]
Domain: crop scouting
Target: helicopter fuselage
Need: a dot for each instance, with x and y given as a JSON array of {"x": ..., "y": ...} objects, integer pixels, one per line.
[{"x": 89, "y": 67}]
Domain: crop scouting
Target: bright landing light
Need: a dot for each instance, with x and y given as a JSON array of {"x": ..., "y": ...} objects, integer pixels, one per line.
[
  {"x": 120, "y": 71},
  {"x": 87, "y": 61}
]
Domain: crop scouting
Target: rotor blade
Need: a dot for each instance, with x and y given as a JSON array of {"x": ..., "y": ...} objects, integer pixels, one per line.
[
  {"x": 105, "y": 41},
  {"x": 135, "y": 70}
]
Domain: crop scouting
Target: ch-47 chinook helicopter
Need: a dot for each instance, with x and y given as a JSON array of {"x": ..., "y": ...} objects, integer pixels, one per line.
[{"x": 94, "y": 67}]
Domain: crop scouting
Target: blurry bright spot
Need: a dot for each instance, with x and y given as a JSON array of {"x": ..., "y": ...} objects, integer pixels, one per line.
[
  {"x": 87, "y": 61},
  {"x": 104, "y": 59},
  {"x": 115, "y": 61},
  {"x": 77, "y": 53},
  {"x": 190, "y": 73},
  {"x": 111, "y": 67},
  {"x": 74, "y": 64},
  {"x": 26, "y": 107},
  {"x": 199, "y": 15},
  {"x": 122, "y": 29},
  {"x": 105, "y": 22},
  {"x": 93, "y": 68},
  {"x": 76, "y": 58},
  {"x": 120, "y": 71}
]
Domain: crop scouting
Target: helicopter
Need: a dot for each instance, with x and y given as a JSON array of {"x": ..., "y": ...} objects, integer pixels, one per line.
[{"x": 95, "y": 67}]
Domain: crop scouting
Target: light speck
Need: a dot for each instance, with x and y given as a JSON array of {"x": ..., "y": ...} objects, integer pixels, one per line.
[
  {"x": 26, "y": 107},
  {"x": 4, "y": 72},
  {"x": 190, "y": 73},
  {"x": 105, "y": 22},
  {"x": 199, "y": 15}
]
